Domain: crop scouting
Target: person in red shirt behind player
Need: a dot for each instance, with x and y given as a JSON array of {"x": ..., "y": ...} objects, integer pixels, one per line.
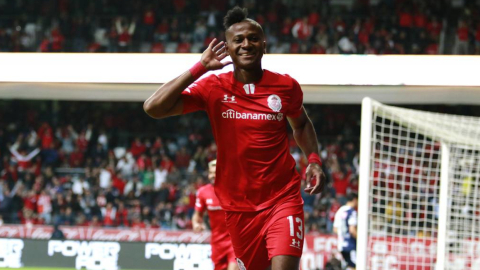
[
  {"x": 223, "y": 256},
  {"x": 256, "y": 181}
]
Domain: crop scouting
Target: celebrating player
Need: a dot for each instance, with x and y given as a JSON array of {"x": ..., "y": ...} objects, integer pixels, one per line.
[
  {"x": 256, "y": 181},
  {"x": 223, "y": 256}
]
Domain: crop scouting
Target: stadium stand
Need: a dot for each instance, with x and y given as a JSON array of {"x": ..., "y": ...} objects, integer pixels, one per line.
[
  {"x": 99, "y": 164},
  {"x": 348, "y": 26}
]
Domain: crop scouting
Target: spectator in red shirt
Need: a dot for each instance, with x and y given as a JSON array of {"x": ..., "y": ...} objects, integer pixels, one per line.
[
  {"x": 182, "y": 158},
  {"x": 161, "y": 33},
  {"x": 313, "y": 18},
  {"x": 419, "y": 20},
  {"x": 154, "y": 224},
  {"x": 44, "y": 206},
  {"x": 157, "y": 145},
  {"x": 137, "y": 147},
  {"x": 76, "y": 158},
  {"x": 45, "y": 45},
  {"x": 166, "y": 163},
  {"x": 353, "y": 187},
  {"x": 477, "y": 40},
  {"x": 125, "y": 34},
  {"x": 272, "y": 15},
  {"x": 109, "y": 214},
  {"x": 143, "y": 162},
  {"x": 148, "y": 24},
  {"x": 434, "y": 27},
  {"x": 461, "y": 41},
  {"x": 30, "y": 201},
  {"x": 137, "y": 223},
  {"x": 22, "y": 158},
  {"x": 405, "y": 19},
  {"x": 285, "y": 29},
  {"x": 334, "y": 206},
  {"x": 432, "y": 48},
  {"x": 122, "y": 215},
  {"x": 341, "y": 182},
  {"x": 28, "y": 218},
  {"x": 317, "y": 49},
  {"x": 118, "y": 183},
  {"x": 95, "y": 222},
  {"x": 57, "y": 40},
  {"x": 81, "y": 220},
  {"x": 47, "y": 138},
  {"x": 82, "y": 141}
]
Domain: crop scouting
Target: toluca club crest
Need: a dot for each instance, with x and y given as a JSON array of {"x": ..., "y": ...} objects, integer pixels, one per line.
[{"x": 275, "y": 103}]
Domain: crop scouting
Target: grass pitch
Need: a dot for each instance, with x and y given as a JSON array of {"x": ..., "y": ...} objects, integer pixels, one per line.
[
  {"x": 39, "y": 268},
  {"x": 46, "y": 268}
]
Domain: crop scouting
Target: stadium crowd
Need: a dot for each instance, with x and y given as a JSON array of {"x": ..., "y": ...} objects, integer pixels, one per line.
[
  {"x": 99, "y": 164},
  {"x": 308, "y": 26},
  {"x": 96, "y": 164},
  {"x": 109, "y": 164}
]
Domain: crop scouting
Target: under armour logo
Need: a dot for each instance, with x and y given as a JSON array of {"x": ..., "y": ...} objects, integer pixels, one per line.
[
  {"x": 295, "y": 243},
  {"x": 228, "y": 99}
]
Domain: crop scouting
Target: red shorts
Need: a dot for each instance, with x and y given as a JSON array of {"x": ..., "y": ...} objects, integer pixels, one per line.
[
  {"x": 257, "y": 237},
  {"x": 222, "y": 256}
]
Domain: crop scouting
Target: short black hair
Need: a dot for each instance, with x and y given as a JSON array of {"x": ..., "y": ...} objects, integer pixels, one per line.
[
  {"x": 352, "y": 196},
  {"x": 234, "y": 15}
]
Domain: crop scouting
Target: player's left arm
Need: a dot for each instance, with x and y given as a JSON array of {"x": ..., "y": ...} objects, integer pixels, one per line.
[
  {"x": 306, "y": 138},
  {"x": 352, "y": 224},
  {"x": 353, "y": 231}
]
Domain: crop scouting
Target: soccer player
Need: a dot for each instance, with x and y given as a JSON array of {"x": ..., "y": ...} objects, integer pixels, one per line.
[
  {"x": 223, "y": 256},
  {"x": 256, "y": 181},
  {"x": 345, "y": 226}
]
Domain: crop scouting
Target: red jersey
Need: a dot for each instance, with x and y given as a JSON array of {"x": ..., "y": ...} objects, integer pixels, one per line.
[
  {"x": 206, "y": 199},
  {"x": 254, "y": 169}
]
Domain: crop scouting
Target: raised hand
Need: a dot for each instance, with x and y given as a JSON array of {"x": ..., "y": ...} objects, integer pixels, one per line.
[
  {"x": 213, "y": 55},
  {"x": 316, "y": 180}
]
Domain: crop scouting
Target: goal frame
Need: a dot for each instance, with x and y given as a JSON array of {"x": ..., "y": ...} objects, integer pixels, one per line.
[{"x": 364, "y": 187}]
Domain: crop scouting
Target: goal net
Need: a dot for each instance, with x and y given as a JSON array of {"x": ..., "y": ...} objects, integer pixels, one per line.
[{"x": 419, "y": 198}]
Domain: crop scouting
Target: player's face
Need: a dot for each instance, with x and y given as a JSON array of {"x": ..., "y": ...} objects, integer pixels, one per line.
[
  {"x": 245, "y": 44},
  {"x": 211, "y": 174},
  {"x": 355, "y": 203}
]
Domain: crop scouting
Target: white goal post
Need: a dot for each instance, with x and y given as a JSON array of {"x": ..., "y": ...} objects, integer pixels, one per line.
[{"x": 419, "y": 194}]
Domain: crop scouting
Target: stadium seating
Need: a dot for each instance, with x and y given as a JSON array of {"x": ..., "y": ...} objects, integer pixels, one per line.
[{"x": 381, "y": 27}]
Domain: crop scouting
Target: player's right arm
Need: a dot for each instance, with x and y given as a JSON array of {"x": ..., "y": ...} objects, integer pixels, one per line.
[
  {"x": 197, "y": 221},
  {"x": 167, "y": 101},
  {"x": 200, "y": 206}
]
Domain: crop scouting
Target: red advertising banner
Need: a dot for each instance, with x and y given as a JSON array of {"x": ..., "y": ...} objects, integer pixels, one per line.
[
  {"x": 385, "y": 253},
  {"x": 409, "y": 253},
  {"x": 105, "y": 234},
  {"x": 317, "y": 251},
  {"x": 401, "y": 253}
]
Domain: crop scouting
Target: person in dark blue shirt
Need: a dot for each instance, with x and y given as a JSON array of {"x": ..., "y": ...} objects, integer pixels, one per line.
[{"x": 345, "y": 226}]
